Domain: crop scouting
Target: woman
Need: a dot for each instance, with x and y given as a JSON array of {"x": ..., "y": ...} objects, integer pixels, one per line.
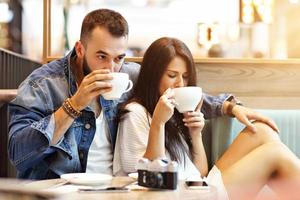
[{"x": 151, "y": 127}]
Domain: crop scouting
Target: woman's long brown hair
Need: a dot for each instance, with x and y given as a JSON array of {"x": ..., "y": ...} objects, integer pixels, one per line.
[{"x": 146, "y": 91}]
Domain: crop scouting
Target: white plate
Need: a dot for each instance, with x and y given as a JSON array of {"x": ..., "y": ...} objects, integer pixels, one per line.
[{"x": 87, "y": 178}]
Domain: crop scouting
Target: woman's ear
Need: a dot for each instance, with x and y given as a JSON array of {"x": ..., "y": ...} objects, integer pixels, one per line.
[{"x": 79, "y": 48}]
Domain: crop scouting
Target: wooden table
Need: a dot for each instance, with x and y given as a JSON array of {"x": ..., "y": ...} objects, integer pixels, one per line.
[{"x": 39, "y": 188}]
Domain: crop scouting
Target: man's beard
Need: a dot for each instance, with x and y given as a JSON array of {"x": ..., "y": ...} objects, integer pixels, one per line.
[{"x": 85, "y": 67}]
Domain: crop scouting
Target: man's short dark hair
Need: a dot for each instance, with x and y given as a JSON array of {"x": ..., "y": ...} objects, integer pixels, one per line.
[{"x": 113, "y": 21}]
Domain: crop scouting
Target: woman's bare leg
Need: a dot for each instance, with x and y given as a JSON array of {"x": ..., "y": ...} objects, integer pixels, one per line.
[
  {"x": 245, "y": 142},
  {"x": 267, "y": 162}
]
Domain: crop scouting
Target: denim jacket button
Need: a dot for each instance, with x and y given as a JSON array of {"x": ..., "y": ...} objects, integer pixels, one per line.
[{"x": 87, "y": 126}]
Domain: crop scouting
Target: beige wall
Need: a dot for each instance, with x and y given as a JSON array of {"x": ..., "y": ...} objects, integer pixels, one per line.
[{"x": 285, "y": 29}]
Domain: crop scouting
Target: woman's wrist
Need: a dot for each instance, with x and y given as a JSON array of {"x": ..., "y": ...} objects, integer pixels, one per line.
[
  {"x": 196, "y": 137},
  {"x": 157, "y": 123}
]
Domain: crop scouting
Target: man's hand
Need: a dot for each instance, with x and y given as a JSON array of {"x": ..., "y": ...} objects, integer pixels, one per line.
[
  {"x": 247, "y": 115},
  {"x": 93, "y": 85}
]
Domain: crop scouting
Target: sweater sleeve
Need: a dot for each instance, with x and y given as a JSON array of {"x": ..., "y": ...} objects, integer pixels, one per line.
[{"x": 132, "y": 139}]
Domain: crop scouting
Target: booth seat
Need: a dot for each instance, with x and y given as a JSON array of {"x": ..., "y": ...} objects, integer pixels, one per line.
[
  {"x": 219, "y": 133},
  {"x": 224, "y": 129}
]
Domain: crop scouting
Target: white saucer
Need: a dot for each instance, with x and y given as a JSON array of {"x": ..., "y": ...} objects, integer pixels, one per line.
[
  {"x": 87, "y": 178},
  {"x": 133, "y": 175}
]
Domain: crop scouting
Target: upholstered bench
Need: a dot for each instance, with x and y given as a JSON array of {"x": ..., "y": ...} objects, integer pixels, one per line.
[{"x": 224, "y": 129}]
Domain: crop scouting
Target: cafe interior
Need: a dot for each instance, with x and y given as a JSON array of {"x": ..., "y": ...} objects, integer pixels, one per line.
[{"x": 248, "y": 48}]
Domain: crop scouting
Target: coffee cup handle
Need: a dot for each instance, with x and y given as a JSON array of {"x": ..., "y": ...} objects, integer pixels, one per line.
[{"x": 130, "y": 86}]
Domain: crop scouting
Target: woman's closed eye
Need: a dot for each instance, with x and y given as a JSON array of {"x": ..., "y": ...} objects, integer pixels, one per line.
[
  {"x": 185, "y": 76},
  {"x": 172, "y": 75}
]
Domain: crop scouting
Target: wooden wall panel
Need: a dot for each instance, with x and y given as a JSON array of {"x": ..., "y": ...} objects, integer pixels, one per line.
[{"x": 258, "y": 85}]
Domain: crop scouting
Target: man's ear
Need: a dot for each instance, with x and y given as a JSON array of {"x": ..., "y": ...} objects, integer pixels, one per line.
[{"x": 80, "y": 50}]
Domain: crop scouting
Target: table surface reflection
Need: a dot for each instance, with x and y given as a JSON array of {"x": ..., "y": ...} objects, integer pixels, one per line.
[{"x": 42, "y": 190}]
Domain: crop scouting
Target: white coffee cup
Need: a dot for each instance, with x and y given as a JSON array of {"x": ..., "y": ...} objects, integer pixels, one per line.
[
  {"x": 120, "y": 84},
  {"x": 187, "y": 98}
]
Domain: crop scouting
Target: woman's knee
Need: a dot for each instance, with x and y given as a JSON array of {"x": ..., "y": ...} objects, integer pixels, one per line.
[{"x": 264, "y": 133}]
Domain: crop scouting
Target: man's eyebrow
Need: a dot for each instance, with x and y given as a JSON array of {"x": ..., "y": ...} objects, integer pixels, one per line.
[
  {"x": 105, "y": 53},
  {"x": 122, "y": 55},
  {"x": 101, "y": 52}
]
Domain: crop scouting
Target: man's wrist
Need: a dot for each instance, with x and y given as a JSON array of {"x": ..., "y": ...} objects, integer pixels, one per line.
[
  {"x": 70, "y": 110},
  {"x": 230, "y": 104},
  {"x": 229, "y": 109},
  {"x": 75, "y": 105}
]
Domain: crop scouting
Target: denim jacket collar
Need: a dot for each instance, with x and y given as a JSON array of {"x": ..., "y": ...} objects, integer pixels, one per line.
[
  {"x": 69, "y": 74},
  {"x": 109, "y": 107}
]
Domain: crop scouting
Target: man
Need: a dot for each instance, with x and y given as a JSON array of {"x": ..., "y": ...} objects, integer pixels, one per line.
[{"x": 60, "y": 123}]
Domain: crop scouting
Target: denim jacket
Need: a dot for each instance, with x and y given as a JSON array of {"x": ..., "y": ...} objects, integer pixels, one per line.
[{"x": 31, "y": 122}]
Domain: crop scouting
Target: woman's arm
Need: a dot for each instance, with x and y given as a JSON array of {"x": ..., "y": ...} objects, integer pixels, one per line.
[
  {"x": 163, "y": 112},
  {"x": 195, "y": 123},
  {"x": 200, "y": 159},
  {"x": 156, "y": 141}
]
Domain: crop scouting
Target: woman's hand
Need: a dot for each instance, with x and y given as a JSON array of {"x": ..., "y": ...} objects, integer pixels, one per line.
[
  {"x": 194, "y": 121},
  {"x": 164, "y": 109}
]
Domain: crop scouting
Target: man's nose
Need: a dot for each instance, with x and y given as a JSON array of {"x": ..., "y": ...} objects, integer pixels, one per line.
[{"x": 110, "y": 66}]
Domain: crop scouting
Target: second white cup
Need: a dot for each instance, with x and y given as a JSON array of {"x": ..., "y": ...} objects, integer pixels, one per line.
[{"x": 187, "y": 98}]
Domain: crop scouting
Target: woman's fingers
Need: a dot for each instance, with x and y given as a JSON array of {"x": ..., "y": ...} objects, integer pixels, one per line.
[
  {"x": 193, "y": 114},
  {"x": 193, "y": 119},
  {"x": 194, "y": 124}
]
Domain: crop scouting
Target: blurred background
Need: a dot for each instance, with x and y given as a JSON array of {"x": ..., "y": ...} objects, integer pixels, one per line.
[{"x": 214, "y": 28}]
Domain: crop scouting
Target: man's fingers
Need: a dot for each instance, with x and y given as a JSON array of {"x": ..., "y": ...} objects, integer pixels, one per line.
[
  {"x": 99, "y": 71},
  {"x": 273, "y": 125},
  {"x": 98, "y": 85},
  {"x": 266, "y": 120},
  {"x": 97, "y": 78},
  {"x": 245, "y": 121},
  {"x": 98, "y": 92},
  {"x": 270, "y": 123}
]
